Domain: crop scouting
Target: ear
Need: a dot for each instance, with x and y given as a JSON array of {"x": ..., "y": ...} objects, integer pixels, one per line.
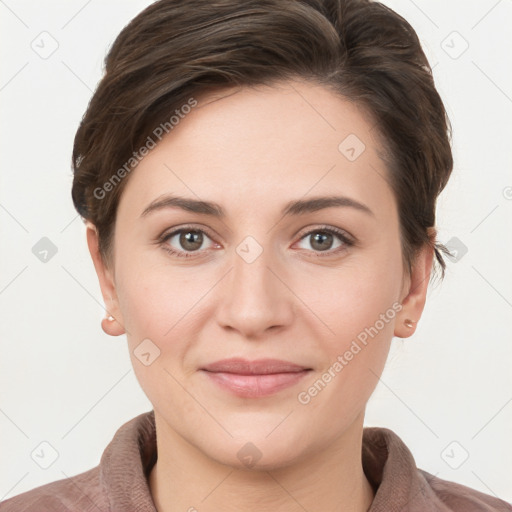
[
  {"x": 107, "y": 285},
  {"x": 415, "y": 293}
]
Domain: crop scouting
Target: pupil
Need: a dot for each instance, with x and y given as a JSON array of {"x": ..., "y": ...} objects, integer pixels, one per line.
[
  {"x": 189, "y": 240},
  {"x": 319, "y": 238}
]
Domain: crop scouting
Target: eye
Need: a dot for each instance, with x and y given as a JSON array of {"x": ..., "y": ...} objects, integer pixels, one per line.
[
  {"x": 187, "y": 240},
  {"x": 190, "y": 241},
  {"x": 323, "y": 239}
]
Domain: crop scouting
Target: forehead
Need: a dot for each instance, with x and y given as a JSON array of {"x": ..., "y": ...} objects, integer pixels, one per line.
[{"x": 257, "y": 144}]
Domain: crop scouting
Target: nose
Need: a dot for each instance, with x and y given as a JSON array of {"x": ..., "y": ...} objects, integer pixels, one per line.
[{"x": 255, "y": 296}]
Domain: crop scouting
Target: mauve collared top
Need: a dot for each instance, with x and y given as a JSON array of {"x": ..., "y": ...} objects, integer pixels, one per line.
[{"x": 120, "y": 482}]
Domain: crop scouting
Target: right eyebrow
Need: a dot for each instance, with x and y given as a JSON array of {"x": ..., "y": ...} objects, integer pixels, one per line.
[{"x": 185, "y": 203}]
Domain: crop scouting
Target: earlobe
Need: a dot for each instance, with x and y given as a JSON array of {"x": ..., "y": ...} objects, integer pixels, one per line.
[
  {"x": 111, "y": 326},
  {"x": 415, "y": 297},
  {"x": 113, "y": 323}
]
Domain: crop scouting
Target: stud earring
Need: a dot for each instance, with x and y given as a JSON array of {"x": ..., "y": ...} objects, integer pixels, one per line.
[
  {"x": 409, "y": 323},
  {"x": 110, "y": 318}
]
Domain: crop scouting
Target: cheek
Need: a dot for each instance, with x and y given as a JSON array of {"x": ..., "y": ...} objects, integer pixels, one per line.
[
  {"x": 162, "y": 303},
  {"x": 361, "y": 317},
  {"x": 154, "y": 308},
  {"x": 153, "y": 294},
  {"x": 359, "y": 304},
  {"x": 354, "y": 296}
]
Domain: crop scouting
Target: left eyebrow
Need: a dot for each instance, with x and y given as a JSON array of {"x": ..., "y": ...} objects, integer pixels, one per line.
[
  {"x": 295, "y": 208},
  {"x": 319, "y": 203}
]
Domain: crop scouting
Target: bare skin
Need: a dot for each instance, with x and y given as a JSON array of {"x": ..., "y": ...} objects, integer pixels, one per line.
[{"x": 252, "y": 151}]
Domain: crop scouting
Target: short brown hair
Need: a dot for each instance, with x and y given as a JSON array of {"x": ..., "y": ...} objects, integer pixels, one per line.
[{"x": 178, "y": 49}]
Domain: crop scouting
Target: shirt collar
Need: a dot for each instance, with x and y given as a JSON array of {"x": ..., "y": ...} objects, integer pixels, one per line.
[
  {"x": 387, "y": 462},
  {"x": 126, "y": 463},
  {"x": 390, "y": 467}
]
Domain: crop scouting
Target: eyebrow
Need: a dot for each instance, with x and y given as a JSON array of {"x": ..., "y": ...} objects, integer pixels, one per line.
[{"x": 298, "y": 207}]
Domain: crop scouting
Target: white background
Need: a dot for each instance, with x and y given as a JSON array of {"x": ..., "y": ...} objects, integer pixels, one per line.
[{"x": 64, "y": 381}]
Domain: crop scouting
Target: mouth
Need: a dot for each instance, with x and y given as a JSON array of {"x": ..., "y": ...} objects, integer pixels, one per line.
[{"x": 253, "y": 379}]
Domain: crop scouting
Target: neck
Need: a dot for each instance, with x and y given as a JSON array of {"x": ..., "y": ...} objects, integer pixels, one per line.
[{"x": 185, "y": 479}]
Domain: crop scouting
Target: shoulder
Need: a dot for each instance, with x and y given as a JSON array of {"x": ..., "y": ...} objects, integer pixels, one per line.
[
  {"x": 457, "y": 497},
  {"x": 391, "y": 469},
  {"x": 81, "y": 492},
  {"x": 118, "y": 482}
]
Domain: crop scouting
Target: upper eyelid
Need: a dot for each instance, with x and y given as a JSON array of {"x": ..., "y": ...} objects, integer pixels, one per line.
[
  {"x": 172, "y": 232},
  {"x": 335, "y": 231}
]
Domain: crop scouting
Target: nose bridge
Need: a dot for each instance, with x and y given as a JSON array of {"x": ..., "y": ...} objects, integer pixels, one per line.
[
  {"x": 251, "y": 267},
  {"x": 254, "y": 299}
]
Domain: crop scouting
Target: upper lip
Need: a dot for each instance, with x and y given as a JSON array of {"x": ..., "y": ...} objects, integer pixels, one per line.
[{"x": 256, "y": 367}]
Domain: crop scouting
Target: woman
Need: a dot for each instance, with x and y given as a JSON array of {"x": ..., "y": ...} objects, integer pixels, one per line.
[{"x": 259, "y": 183}]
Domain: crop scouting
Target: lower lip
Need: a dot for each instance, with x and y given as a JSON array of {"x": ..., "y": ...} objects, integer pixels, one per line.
[{"x": 253, "y": 386}]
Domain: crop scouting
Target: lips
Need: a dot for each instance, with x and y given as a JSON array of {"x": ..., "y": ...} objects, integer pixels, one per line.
[
  {"x": 254, "y": 379},
  {"x": 256, "y": 367}
]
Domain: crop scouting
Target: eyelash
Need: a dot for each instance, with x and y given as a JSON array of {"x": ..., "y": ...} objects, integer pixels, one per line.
[{"x": 342, "y": 235}]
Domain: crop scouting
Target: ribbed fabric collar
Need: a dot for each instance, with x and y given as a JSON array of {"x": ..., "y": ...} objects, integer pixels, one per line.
[
  {"x": 387, "y": 462},
  {"x": 126, "y": 463}
]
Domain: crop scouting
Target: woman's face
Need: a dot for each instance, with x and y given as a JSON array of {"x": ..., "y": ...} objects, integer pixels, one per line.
[{"x": 258, "y": 281}]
